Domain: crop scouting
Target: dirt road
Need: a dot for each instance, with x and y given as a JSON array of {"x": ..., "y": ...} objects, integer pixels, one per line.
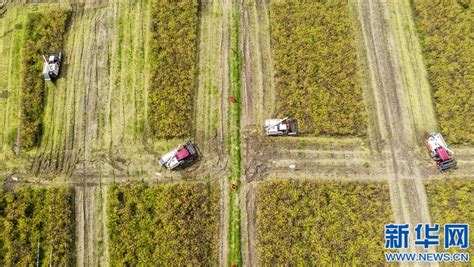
[
  {"x": 258, "y": 90},
  {"x": 395, "y": 122},
  {"x": 211, "y": 102}
]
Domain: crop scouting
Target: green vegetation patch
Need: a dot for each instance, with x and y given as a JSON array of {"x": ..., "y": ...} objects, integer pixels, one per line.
[
  {"x": 452, "y": 201},
  {"x": 44, "y": 32},
  {"x": 38, "y": 227},
  {"x": 328, "y": 223},
  {"x": 447, "y": 41},
  {"x": 173, "y": 62},
  {"x": 234, "y": 256},
  {"x": 163, "y": 225},
  {"x": 316, "y": 74}
]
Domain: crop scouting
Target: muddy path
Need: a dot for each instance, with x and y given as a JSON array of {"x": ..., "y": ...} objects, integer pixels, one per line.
[
  {"x": 395, "y": 122},
  {"x": 258, "y": 98},
  {"x": 86, "y": 226},
  {"x": 211, "y": 102},
  {"x": 310, "y": 158},
  {"x": 258, "y": 94}
]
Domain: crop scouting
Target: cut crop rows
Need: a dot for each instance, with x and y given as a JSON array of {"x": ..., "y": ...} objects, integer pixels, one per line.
[
  {"x": 44, "y": 33},
  {"x": 173, "y": 63},
  {"x": 331, "y": 223},
  {"x": 163, "y": 225},
  {"x": 448, "y": 45},
  {"x": 316, "y": 74},
  {"x": 38, "y": 227}
]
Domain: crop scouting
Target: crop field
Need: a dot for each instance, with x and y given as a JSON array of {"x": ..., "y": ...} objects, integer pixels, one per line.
[
  {"x": 163, "y": 224},
  {"x": 173, "y": 57},
  {"x": 316, "y": 75},
  {"x": 78, "y": 156},
  {"x": 98, "y": 110},
  {"x": 38, "y": 227},
  {"x": 451, "y": 201},
  {"x": 388, "y": 74},
  {"x": 44, "y": 31},
  {"x": 447, "y": 41},
  {"x": 326, "y": 222}
]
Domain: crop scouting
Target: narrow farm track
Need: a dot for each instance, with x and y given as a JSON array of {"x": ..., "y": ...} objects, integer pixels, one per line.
[
  {"x": 211, "y": 102},
  {"x": 395, "y": 123},
  {"x": 258, "y": 101},
  {"x": 412, "y": 69},
  {"x": 258, "y": 97}
]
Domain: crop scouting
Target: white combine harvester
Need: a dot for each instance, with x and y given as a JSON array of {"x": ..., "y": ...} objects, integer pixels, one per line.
[
  {"x": 281, "y": 127},
  {"x": 440, "y": 152},
  {"x": 180, "y": 156},
  {"x": 51, "y": 66}
]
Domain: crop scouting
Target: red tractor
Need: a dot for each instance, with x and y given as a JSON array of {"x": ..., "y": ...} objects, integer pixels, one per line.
[{"x": 440, "y": 152}]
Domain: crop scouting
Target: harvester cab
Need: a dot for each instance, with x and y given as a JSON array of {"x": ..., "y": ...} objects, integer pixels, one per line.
[
  {"x": 439, "y": 152},
  {"x": 281, "y": 127},
  {"x": 179, "y": 157},
  {"x": 51, "y": 66}
]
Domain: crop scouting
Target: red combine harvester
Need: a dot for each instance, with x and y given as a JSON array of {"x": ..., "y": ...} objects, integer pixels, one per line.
[
  {"x": 179, "y": 157},
  {"x": 440, "y": 152}
]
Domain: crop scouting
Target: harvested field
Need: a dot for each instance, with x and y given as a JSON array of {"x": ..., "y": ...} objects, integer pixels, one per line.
[
  {"x": 299, "y": 223},
  {"x": 315, "y": 62},
  {"x": 38, "y": 227},
  {"x": 163, "y": 224},
  {"x": 448, "y": 45}
]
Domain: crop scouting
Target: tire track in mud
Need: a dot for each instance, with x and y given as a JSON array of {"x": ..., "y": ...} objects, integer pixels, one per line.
[
  {"x": 212, "y": 95},
  {"x": 412, "y": 69},
  {"x": 89, "y": 59},
  {"x": 258, "y": 98},
  {"x": 408, "y": 195},
  {"x": 258, "y": 87}
]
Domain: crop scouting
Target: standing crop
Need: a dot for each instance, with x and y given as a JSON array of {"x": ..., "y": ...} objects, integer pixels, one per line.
[
  {"x": 451, "y": 201},
  {"x": 315, "y": 66},
  {"x": 447, "y": 39},
  {"x": 163, "y": 225},
  {"x": 39, "y": 227},
  {"x": 321, "y": 223},
  {"x": 44, "y": 33},
  {"x": 173, "y": 56}
]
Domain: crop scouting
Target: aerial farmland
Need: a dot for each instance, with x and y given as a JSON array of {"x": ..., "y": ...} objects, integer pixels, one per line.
[{"x": 233, "y": 132}]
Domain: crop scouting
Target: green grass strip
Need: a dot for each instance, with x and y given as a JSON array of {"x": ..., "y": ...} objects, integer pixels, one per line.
[{"x": 233, "y": 141}]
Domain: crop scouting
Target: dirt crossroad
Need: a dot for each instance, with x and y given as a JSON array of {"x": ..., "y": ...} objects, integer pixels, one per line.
[{"x": 94, "y": 111}]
